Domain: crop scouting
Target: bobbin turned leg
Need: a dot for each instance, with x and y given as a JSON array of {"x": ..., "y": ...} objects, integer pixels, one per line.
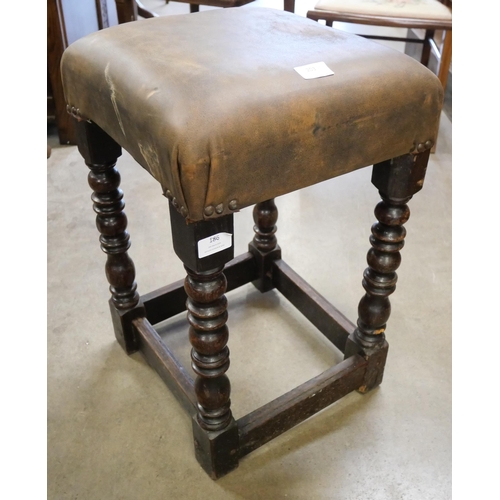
[
  {"x": 264, "y": 245},
  {"x": 215, "y": 431},
  {"x": 100, "y": 153},
  {"x": 397, "y": 180}
]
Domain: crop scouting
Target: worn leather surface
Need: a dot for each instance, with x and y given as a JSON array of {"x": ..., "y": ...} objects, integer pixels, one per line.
[{"x": 211, "y": 106}]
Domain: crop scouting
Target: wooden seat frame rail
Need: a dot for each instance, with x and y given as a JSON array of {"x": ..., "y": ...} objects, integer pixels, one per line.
[
  {"x": 220, "y": 441},
  {"x": 279, "y": 415}
]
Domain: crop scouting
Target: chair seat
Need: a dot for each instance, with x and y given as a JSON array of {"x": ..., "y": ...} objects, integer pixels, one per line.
[
  {"x": 211, "y": 106},
  {"x": 417, "y": 9}
]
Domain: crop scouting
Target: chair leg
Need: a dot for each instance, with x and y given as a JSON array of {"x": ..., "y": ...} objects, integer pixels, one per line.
[
  {"x": 397, "y": 180},
  {"x": 193, "y": 7},
  {"x": 289, "y": 6},
  {"x": 214, "y": 428},
  {"x": 126, "y": 11},
  {"x": 208, "y": 334},
  {"x": 444, "y": 64},
  {"x": 265, "y": 216},
  {"x": 264, "y": 245},
  {"x": 100, "y": 153},
  {"x": 426, "y": 49}
]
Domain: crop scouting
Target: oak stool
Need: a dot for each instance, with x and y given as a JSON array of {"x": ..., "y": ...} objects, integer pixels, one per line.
[{"x": 212, "y": 106}]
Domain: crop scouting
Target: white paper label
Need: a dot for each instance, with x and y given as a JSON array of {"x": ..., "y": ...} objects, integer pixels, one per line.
[
  {"x": 213, "y": 244},
  {"x": 315, "y": 70}
]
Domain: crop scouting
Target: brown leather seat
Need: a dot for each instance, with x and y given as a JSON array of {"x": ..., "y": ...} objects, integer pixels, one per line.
[{"x": 211, "y": 106}]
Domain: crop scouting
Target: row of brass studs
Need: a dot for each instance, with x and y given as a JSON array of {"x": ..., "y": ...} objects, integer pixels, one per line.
[{"x": 209, "y": 210}]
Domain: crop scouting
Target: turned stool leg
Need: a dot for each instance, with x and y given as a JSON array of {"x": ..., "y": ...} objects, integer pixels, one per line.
[
  {"x": 208, "y": 334},
  {"x": 100, "y": 153},
  {"x": 215, "y": 430},
  {"x": 265, "y": 215},
  {"x": 264, "y": 245},
  {"x": 397, "y": 180}
]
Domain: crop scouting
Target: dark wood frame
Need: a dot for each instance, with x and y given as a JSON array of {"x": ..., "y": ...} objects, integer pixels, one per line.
[
  {"x": 129, "y": 10},
  {"x": 274, "y": 418},
  {"x": 220, "y": 440},
  {"x": 56, "y": 44},
  {"x": 288, "y": 5},
  {"x": 58, "y": 32}
]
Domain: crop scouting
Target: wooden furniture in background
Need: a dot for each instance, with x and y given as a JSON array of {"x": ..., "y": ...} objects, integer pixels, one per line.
[
  {"x": 68, "y": 21},
  {"x": 415, "y": 50},
  {"x": 289, "y": 5},
  {"x": 129, "y": 10},
  {"x": 391, "y": 14}
]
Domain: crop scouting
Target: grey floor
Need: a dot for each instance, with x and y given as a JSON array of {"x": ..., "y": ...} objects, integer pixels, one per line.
[{"x": 116, "y": 432}]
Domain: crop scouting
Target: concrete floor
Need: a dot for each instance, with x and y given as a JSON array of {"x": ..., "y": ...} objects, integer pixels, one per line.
[{"x": 116, "y": 432}]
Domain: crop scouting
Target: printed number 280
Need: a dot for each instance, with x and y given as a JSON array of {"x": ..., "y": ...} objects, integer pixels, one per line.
[{"x": 213, "y": 239}]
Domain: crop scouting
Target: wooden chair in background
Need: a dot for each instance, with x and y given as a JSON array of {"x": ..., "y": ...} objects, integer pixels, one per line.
[
  {"x": 68, "y": 21},
  {"x": 428, "y": 15},
  {"x": 129, "y": 10}
]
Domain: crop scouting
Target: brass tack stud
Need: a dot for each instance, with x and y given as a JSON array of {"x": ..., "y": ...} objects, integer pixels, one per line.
[
  {"x": 209, "y": 210},
  {"x": 233, "y": 205},
  {"x": 424, "y": 146},
  {"x": 174, "y": 203},
  {"x": 168, "y": 194},
  {"x": 219, "y": 208},
  {"x": 183, "y": 211}
]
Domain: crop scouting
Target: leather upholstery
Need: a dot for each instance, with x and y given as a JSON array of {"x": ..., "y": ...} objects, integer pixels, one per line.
[{"x": 211, "y": 106}]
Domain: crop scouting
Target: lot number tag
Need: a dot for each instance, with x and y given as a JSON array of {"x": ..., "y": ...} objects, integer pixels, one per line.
[
  {"x": 213, "y": 244},
  {"x": 315, "y": 70}
]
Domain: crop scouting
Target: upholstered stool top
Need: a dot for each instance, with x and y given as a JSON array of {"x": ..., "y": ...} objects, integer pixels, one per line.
[
  {"x": 419, "y": 9},
  {"x": 211, "y": 106}
]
